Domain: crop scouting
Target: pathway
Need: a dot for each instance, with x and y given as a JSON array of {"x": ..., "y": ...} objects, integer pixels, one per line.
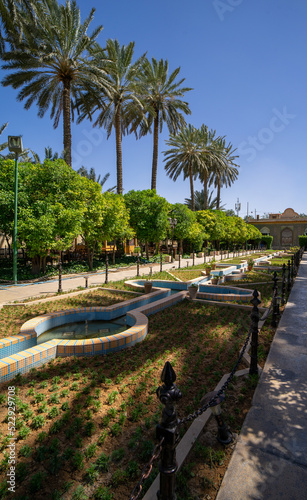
[{"x": 24, "y": 291}]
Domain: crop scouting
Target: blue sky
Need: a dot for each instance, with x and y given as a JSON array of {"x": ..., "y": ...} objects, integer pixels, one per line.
[{"x": 245, "y": 60}]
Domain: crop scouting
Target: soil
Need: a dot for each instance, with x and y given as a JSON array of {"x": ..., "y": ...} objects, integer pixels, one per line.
[{"x": 91, "y": 421}]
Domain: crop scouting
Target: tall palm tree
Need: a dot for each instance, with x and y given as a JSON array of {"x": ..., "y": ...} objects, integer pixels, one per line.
[
  {"x": 51, "y": 58},
  {"x": 211, "y": 155},
  {"x": 224, "y": 171},
  {"x": 119, "y": 103},
  {"x": 185, "y": 156},
  {"x": 162, "y": 98}
]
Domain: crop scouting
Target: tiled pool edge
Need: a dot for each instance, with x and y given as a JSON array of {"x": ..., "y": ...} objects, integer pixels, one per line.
[{"x": 21, "y": 361}]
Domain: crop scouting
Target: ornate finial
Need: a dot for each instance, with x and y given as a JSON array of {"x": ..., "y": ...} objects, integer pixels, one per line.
[
  {"x": 168, "y": 375},
  {"x": 255, "y": 301}
]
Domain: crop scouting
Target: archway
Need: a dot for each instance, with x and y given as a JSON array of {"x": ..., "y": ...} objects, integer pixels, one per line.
[{"x": 286, "y": 237}]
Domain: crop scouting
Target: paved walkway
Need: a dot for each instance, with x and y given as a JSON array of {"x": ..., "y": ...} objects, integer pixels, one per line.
[
  {"x": 270, "y": 458},
  {"x": 24, "y": 291}
]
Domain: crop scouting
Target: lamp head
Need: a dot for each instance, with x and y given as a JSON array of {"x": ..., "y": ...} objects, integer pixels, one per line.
[{"x": 15, "y": 144}]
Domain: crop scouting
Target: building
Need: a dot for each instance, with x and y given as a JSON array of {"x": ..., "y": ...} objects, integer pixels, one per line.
[{"x": 285, "y": 228}]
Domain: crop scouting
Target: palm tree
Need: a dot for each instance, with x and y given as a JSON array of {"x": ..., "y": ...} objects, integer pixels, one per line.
[
  {"x": 119, "y": 103},
  {"x": 211, "y": 155},
  {"x": 4, "y": 144},
  {"x": 184, "y": 156},
  {"x": 224, "y": 171},
  {"x": 200, "y": 202},
  {"x": 91, "y": 174},
  {"x": 51, "y": 58},
  {"x": 162, "y": 98}
]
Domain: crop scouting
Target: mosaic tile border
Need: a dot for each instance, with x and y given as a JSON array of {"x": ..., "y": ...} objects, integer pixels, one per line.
[{"x": 33, "y": 356}]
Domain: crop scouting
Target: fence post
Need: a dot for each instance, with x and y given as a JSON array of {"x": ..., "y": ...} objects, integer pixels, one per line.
[
  {"x": 178, "y": 260},
  {"x": 275, "y": 314},
  {"x": 138, "y": 265},
  {"x": 107, "y": 269},
  {"x": 160, "y": 262},
  {"x": 275, "y": 279},
  {"x": 168, "y": 394},
  {"x": 60, "y": 277},
  {"x": 253, "y": 369},
  {"x": 289, "y": 278},
  {"x": 292, "y": 269},
  {"x": 283, "y": 285}
]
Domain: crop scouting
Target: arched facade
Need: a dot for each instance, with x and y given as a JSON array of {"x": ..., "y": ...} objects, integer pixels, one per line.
[
  {"x": 285, "y": 227},
  {"x": 286, "y": 237}
]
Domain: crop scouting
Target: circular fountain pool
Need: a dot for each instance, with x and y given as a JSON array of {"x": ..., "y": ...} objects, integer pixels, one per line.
[{"x": 84, "y": 330}]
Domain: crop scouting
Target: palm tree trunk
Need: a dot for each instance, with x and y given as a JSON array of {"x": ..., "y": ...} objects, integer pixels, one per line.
[
  {"x": 67, "y": 123},
  {"x": 206, "y": 205},
  {"x": 155, "y": 152},
  {"x": 192, "y": 189},
  {"x": 119, "y": 159},
  {"x": 218, "y": 194}
]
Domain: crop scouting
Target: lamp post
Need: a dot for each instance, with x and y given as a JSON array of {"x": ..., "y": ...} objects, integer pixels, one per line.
[
  {"x": 173, "y": 224},
  {"x": 15, "y": 146}
]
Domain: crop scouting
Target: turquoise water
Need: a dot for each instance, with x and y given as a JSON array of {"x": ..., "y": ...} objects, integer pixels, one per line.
[{"x": 84, "y": 330}]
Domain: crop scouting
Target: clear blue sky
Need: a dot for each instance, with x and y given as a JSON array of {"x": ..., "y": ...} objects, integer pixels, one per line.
[{"x": 245, "y": 60}]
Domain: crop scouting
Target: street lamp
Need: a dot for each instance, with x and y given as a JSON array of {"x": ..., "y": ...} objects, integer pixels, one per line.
[
  {"x": 15, "y": 146},
  {"x": 173, "y": 223}
]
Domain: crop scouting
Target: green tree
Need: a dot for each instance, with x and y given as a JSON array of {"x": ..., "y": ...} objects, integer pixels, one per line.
[
  {"x": 119, "y": 103},
  {"x": 44, "y": 227},
  {"x": 185, "y": 219},
  {"x": 49, "y": 207},
  {"x": 105, "y": 217},
  {"x": 148, "y": 215},
  {"x": 161, "y": 94},
  {"x": 50, "y": 56}
]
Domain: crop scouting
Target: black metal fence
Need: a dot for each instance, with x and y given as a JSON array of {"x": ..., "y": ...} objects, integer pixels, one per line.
[{"x": 167, "y": 431}]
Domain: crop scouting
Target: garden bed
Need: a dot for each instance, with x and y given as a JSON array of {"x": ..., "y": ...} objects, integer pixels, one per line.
[
  {"x": 87, "y": 425},
  {"x": 12, "y": 318}
]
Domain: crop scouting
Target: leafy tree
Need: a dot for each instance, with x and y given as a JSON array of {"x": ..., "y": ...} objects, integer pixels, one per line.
[
  {"x": 119, "y": 103},
  {"x": 148, "y": 215},
  {"x": 44, "y": 227},
  {"x": 50, "y": 198},
  {"x": 49, "y": 207},
  {"x": 105, "y": 217},
  {"x": 49, "y": 56},
  {"x": 207, "y": 220},
  {"x": 185, "y": 220},
  {"x": 161, "y": 95}
]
